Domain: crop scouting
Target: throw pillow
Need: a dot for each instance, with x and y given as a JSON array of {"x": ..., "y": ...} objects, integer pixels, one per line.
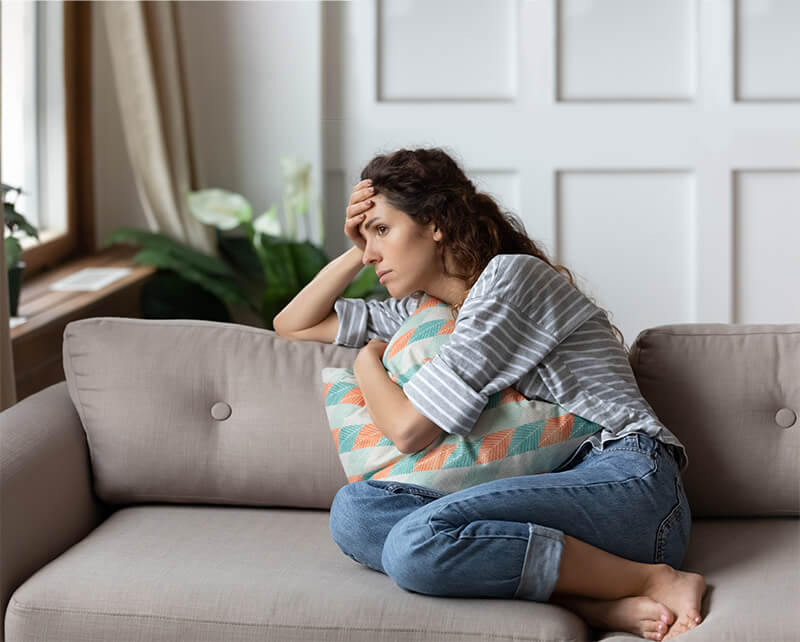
[{"x": 513, "y": 435}]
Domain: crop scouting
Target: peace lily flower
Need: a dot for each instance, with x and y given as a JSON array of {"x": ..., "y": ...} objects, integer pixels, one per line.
[
  {"x": 297, "y": 186},
  {"x": 268, "y": 223},
  {"x": 218, "y": 207}
]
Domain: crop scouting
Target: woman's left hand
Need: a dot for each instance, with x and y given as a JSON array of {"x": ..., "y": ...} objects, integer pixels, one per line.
[{"x": 374, "y": 349}]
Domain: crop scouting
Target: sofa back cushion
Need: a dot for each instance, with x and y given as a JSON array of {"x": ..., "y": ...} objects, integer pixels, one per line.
[
  {"x": 207, "y": 412},
  {"x": 731, "y": 394},
  {"x": 187, "y": 411}
]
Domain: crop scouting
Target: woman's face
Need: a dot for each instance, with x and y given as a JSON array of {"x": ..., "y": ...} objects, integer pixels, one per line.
[{"x": 395, "y": 242}]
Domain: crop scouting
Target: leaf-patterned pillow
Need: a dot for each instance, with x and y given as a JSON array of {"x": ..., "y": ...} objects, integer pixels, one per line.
[{"x": 513, "y": 435}]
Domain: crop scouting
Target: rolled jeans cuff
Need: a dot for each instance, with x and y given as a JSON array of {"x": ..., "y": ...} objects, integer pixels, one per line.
[{"x": 542, "y": 561}]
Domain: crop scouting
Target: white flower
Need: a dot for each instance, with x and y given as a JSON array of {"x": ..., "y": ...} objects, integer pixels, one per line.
[
  {"x": 268, "y": 223},
  {"x": 218, "y": 207},
  {"x": 297, "y": 188}
]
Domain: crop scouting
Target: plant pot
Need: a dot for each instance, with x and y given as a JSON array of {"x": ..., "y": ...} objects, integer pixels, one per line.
[{"x": 14, "y": 283}]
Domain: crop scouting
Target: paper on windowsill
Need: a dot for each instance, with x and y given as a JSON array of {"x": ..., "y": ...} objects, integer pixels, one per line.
[{"x": 90, "y": 279}]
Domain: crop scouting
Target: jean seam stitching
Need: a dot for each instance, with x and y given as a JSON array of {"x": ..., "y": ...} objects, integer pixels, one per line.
[
  {"x": 666, "y": 525},
  {"x": 417, "y": 492}
]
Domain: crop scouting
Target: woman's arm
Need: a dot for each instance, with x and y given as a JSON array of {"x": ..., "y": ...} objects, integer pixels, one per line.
[
  {"x": 314, "y": 303},
  {"x": 387, "y": 404}
]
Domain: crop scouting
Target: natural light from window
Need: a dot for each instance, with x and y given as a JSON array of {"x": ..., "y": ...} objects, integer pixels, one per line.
[{"x": 33, "y": 118}]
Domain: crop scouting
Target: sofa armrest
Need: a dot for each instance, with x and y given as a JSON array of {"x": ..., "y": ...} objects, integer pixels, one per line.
[{"x": 46, "y": 499}]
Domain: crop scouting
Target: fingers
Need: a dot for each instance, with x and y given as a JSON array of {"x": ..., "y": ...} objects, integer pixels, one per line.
[
  {"x": 361, "y": 192},
  {"x": 358, "y": 208},
  {"x": 360, "y": 200}
]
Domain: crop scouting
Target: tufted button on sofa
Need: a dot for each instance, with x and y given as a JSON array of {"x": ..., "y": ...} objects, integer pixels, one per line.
[{"x": 177, "y": 486}]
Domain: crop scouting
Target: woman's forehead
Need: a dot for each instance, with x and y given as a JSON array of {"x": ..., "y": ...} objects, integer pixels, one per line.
[{"x": 381, "y": 211}]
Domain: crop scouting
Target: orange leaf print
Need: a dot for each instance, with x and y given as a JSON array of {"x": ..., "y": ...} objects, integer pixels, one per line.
[
  {"x": 447, "y": 328},
  {"x": 401, "y": 343},
  {"x": 368, "y": 436},
  {"x": 494, "y": 446},
  {"x": 556, "y": 429},
  {"x": 435, "y": 459},
  {"x": 510, "y": 395},
  {"x": 430, "y": 302},
  {"x": 354, "y": 397}
]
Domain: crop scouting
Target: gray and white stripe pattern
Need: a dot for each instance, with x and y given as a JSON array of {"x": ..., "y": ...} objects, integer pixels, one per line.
[{"x": 525, "y": 326}]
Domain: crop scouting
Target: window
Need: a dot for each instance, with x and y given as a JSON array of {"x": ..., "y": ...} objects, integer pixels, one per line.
[
  {"x": 33, "y": 148},
  {"x": 46, "y": 125}
]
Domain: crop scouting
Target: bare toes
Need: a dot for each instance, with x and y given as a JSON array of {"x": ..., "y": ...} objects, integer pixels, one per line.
[
  {"x": 694, "y": 618},
  {"x": 676, "y": 629},
  {"x": 654, "y": 630},
  {"x": 651, "y": 626},
  {"x": 666, "y": 616}
]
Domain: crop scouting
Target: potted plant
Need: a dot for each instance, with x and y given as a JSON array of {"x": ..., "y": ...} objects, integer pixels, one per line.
[
  {"x": 14, "y": 221},
  {"x": 261, "y": 268}
]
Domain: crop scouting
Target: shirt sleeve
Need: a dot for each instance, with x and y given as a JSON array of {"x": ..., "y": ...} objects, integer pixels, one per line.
[
  {"x": 361, "y": 320},
  {"x": 517, "y": 316}
]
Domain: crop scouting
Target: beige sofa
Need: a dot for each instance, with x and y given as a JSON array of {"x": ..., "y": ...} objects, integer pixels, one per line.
[{"x": 177, "y": 486}]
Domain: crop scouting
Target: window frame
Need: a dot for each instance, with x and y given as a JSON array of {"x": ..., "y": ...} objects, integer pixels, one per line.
[{"x": 79, "y": 237}]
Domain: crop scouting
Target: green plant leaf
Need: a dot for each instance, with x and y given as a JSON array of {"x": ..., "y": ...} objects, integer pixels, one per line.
[
  {"x": 226, "y": 289},
  {"x": 365, "y": 284},
  {"x": 179, "y": 252},
  {"x": 272, "y": 302},
  {"x": 240, "y": 253},
  {"x": 14, "y": 219},
  {"x": 10, "y": 188},
  {"x": 279, "y": 268},
  {"x": 308, "y": 261},
  {"x": 13, "y": 251}
]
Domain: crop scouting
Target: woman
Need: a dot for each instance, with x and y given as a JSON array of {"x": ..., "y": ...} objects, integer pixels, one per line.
[{"x": 604, "y": 533}]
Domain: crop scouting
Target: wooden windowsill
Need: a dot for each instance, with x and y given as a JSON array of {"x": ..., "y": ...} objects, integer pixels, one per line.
[{"x": 42, "y": 307}]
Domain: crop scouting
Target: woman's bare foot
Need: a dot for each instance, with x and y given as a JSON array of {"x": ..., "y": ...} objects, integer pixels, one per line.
[
  {"x": 681, "y": 592},
  {"x": 640, "y": 615}
]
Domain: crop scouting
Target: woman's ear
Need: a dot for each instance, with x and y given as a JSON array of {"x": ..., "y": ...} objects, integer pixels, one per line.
[{"x": 437, "y": 234}]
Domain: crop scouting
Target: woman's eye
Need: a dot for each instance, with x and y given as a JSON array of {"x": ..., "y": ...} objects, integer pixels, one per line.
[{"x": 381, "y": 227}]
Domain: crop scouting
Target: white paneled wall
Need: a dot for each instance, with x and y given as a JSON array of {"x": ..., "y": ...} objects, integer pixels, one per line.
[
  {"x": 768, "y": 49},
  {"x": 653, "y": 147},
  {"x": 471, "y": 71},
  {"x": 626, "y": 49},
  {"x": 636, "y": 252},
  {"x": 766, "y": 251}
]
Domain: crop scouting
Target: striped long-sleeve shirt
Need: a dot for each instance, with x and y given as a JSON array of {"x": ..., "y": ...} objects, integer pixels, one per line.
[{"x": 522, "y": 325}]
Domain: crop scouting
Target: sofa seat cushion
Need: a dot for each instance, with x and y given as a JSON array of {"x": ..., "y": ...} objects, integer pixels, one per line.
[
  {"x": 178, "y": 572},
  {"x": 752, "y": 568}
]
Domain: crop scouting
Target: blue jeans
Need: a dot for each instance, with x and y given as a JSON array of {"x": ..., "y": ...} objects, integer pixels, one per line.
[{"x": 505, "y": 538}]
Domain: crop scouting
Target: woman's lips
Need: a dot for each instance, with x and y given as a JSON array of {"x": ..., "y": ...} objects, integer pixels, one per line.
[{"x": 385, "y": 274}]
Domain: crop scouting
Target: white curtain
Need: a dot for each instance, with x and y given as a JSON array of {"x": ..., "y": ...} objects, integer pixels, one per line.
[{"x": 150, "y": 84}]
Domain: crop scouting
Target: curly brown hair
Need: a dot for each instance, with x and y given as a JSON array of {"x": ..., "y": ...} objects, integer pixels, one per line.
[{"x": 430, "y": 187}]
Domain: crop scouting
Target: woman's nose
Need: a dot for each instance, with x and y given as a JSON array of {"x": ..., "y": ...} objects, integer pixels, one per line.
[{"x": 370, "y": 255}]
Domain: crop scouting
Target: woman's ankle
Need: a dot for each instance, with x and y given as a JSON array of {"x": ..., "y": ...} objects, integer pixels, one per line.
[{"x": 657, "y": 574}]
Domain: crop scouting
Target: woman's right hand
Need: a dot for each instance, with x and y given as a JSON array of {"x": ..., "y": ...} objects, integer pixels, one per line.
[{"x": 360, "y": 202}]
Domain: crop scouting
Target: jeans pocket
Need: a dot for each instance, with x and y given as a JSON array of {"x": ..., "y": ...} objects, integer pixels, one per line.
[
  {"x": 672, "y": 538},
  {"x": 422, "y": 493}
]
